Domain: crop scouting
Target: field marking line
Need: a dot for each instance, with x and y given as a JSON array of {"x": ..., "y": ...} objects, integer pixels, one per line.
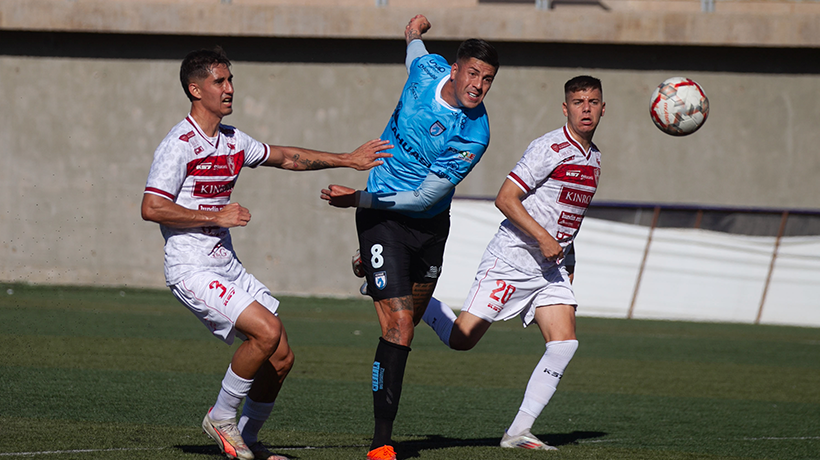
[
  {"x": 128, "y": 449},
  {"x": 75, "y": 451},
  {"x": 772, "y": 438}
]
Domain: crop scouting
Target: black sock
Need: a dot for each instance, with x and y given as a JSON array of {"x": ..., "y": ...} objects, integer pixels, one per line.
[{"x": 388, "y": 373}]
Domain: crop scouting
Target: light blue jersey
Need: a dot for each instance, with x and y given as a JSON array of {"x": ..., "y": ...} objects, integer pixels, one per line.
[{"x": 429, "y": 136}]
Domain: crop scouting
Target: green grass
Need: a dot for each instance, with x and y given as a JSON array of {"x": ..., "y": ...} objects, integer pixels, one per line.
[{"x": 127, "y": 374}]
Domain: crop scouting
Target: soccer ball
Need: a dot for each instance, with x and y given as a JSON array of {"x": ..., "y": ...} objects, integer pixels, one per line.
[{"x": 679, "y": 106}]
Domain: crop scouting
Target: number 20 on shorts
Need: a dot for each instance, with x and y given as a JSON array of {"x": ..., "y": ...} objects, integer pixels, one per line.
[{"x": 503, "y": 292}]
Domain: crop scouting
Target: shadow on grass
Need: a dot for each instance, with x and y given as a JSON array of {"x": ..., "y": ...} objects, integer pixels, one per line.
[{"x": 411, "y": 449}]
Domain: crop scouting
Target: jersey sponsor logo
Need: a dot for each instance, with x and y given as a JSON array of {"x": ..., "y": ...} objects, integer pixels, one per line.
[
  {"x": 220, "y": 252},
  {"x": 437, "y": 129},
  {"x": 407, "y": 147},
  {"x": 381, "y": 280},
  {"x": 569, "y": 219},
  {"x": 187, "y": 136},
  {"x": 431, "y": 68},
  {"x": 217, "y": 165},
  {"x": 396, "y": 112},
  {"x": 561, "y": 146},
  {"x": 577, "y": 174},
  {"x": 463, "y": 155},
  {"x": 213, "y": 189},
  {"x": 467, "y": 156},
  {"x": 562, "y": 237},
  {"x": 575, "y": 197},
  {"x": 211, "y": 207},
  {"x": 414, "y": 90}
]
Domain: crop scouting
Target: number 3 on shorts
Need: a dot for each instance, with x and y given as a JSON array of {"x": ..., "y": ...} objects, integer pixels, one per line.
[{"x": 376, "y": 258}]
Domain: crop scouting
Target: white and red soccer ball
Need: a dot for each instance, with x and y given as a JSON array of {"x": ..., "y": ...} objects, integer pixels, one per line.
[{"x": 679, "y": 106}]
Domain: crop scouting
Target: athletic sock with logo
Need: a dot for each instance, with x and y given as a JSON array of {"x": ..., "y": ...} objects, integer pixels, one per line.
[
  {"x": 441, "y": 318},
  {"x": 542, "y": 384},
  {"x": 234, "y": 388},
  {"x": 254, "y": 415},
  {"x": 387, "y": 376}
]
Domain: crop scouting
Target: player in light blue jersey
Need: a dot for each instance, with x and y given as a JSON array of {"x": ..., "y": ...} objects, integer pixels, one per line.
[{"x": 439, "y": 130}]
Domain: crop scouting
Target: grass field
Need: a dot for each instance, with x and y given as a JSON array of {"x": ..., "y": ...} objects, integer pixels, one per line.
[{"x": 128, "y": 374}]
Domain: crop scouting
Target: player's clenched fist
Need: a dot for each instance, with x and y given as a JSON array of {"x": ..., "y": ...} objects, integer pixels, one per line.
[
  {"x": 417, "y": 26},
  {"x": 233, "y": 215}
]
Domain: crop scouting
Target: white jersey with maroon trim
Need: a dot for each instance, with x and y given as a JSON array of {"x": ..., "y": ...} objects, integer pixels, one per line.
[
  {"x": 558, "y": 179},
  {"x": 199, "y": 172}
]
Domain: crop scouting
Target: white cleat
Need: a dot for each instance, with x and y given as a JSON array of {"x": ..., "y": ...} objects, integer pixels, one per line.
[
  {"x": 525, "y": 440},
  {"x": 227, "y": 437}
]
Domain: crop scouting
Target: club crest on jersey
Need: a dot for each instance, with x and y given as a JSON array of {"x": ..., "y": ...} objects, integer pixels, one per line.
[
  {"x": 437, "y": 128},
  {"x": 559, "y": 147},
  {"x": 187, "y": 136},
  {"x": 381, "y": 280}
]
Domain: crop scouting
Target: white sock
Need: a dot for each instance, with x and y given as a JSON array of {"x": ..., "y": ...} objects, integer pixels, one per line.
[
  {"x": 234, "y": 388},
  {"x": 543, "y": 382},
  {"x": 254, "y": 415},
  {"x": 441, "y": 318}
]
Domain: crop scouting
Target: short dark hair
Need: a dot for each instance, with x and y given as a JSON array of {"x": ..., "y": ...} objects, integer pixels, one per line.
[
  {"x": 197, "y": 65},
  {"x": 479, "y": 49},
  {"x": 582, "y": 82}
]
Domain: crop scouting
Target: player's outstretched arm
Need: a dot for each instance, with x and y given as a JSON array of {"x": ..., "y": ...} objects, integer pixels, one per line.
[
  {"x": 430, "y": 192},
  {"x": 508, "y": 202},
  {"x": 417, "y": 26},
  {"x": 340, "y": 196},
  {"x": 365, "y": 157},
  {"x": 164, "y": 211}
]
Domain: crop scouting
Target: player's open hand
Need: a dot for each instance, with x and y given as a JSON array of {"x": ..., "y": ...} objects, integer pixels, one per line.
[
  {"x": 339, "y": 196},
  {"x": 368, "y": 154},
  {"x": 417, "y": 26},
  {"x": 233, "y": 215}
]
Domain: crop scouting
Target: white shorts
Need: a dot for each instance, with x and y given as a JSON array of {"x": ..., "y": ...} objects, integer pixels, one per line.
[
  {"x": 500, "y": 292},
  {"x": 218, "y": 301}
]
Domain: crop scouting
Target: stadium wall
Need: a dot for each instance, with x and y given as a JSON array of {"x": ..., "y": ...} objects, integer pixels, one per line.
[{"x": 87, "y": 98}]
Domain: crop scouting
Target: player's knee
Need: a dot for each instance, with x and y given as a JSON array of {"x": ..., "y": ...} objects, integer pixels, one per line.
[{"x": 267, "y": 335}]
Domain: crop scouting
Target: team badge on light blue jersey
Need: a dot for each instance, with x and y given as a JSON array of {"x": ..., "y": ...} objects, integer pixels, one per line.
[
  {"x": 381, "y": 280},
  {"x": 437, "y": 129}
]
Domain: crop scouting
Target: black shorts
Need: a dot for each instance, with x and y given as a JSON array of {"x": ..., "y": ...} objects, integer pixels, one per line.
[{"x": 398, "y": 251}]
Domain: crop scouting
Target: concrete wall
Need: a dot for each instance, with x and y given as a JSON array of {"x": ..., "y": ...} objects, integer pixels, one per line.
[{"x": 82, "y": 114}]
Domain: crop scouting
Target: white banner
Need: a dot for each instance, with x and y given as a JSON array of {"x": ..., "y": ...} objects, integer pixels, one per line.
[{"x": 688, "y": 274}]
